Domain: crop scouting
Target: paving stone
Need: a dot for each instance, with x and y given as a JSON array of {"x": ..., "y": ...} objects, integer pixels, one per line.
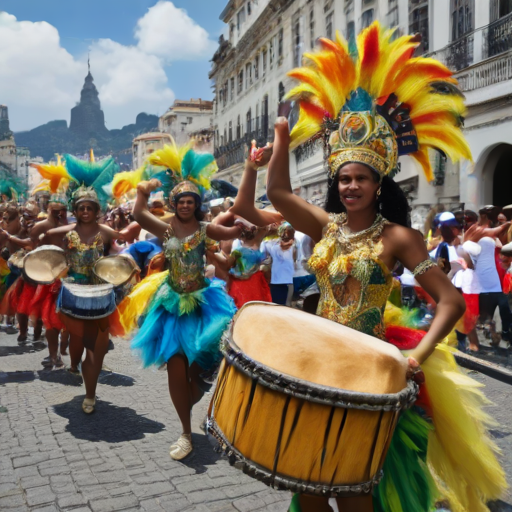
[
  {"x": 112, "y": 504},
  {"x": 11, "y": 500},
  {"x": 28, "y": 482},
  {"x": 71, "y": 500},
  {"x": 40, "y": 495}
]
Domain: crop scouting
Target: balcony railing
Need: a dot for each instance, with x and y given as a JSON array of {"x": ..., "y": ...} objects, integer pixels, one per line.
[
  {"x": 487, "y": 51},
  {"x": 236, "y": 152}
]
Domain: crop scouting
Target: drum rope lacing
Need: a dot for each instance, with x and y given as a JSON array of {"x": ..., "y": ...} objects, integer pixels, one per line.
[
  {"x": 281, "y": 482},
  {"x": 289, "y": 385}
]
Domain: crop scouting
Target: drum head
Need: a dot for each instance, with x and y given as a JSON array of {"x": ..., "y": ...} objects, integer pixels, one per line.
[
  {"x": 45, "y": 264},
  {"x": 115, "y": 270},
  {"x": 313, "y": 349}
]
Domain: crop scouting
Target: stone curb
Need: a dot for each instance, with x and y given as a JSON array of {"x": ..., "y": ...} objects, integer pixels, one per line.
[{"x": 493, "y": 370}]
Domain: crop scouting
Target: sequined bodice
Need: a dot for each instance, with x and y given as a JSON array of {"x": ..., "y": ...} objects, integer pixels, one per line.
[
  {"x": 82, "y": 257},
  {"x": 354, "y": 283},
  {"x": 185, "y": 259}
]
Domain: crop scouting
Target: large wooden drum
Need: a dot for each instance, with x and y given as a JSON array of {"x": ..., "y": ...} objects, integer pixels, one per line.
[{"x": 305, "y": 404}]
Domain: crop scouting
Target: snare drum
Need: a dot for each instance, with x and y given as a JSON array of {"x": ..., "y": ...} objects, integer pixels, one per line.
[
  {"x": 86, "y": 301},
  {"x": 305, "y": 404}
]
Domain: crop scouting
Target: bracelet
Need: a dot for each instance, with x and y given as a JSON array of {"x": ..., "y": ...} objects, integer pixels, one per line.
[{"x": 423, "y": 267}]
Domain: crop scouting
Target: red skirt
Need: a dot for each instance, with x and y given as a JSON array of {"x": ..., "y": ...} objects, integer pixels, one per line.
[
  {"x": 468, "y": 322},
  {"x": 247, "y": 290},
  {"x": 45, "y": 302},
  {"x": 18, "y": 299}
]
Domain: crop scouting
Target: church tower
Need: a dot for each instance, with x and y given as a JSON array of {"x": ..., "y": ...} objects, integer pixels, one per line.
[{"x": 87, "y": 118}]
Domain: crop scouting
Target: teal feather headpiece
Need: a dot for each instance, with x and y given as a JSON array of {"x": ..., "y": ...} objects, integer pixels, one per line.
[{"x": 92, "y": 178}]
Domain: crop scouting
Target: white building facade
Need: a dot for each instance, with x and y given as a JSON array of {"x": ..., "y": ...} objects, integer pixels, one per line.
[
  {"x": 267, "y": 38},
  {"x": 188, "y": 119},
  {"x": 145, "y": 144}
]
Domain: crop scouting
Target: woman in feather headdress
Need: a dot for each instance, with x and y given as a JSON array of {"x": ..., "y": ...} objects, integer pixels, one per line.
[
  {"x": 84, "y": 243},
  {"x": 369, "y": 108},
  {"x": 184, "y": 315}
]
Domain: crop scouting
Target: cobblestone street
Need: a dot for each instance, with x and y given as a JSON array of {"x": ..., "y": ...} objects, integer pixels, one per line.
[{"x": 55, "y": 458}]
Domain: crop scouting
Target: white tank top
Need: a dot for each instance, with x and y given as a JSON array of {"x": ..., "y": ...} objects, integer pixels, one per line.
[{"x": 486, "y": 267}]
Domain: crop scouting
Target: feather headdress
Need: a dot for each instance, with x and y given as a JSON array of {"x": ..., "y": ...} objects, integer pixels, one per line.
[
  {"x": 378, "y": 104},
  {"x": 11, "y": 186},
  {"x": 93, "y": 178},
  {"x": 175, "y": 166}
]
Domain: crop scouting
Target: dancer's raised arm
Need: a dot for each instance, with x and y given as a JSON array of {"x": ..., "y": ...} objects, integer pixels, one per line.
[
  {"x": 141, "y": 212},
  {"x": 299, "y": 213},
  {"x": 244, "y": 202}
]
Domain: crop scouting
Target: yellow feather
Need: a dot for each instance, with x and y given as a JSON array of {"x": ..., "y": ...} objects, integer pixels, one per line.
[
  {"x": 53, "y": 173},
  {"x": 123, "y": 182},
  {"x": 383, "y": 66},
  {"x": 170, "y": 157}
]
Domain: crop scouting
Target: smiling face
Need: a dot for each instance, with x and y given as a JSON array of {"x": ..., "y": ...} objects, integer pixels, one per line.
[
  {"x": 186, "y": 207},
  {"x": 357, "y": 187},
  {"x": 86, "y": 212}
]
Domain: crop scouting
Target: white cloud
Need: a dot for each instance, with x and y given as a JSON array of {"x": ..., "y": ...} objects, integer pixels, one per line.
[
  {"x": 170, "y": 33},
  {"x": 38, "y": 78},
  {"x": 40, "y": 81}
]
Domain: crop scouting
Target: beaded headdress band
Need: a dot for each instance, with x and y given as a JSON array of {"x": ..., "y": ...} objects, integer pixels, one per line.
[{"x": 372, "y": 104}]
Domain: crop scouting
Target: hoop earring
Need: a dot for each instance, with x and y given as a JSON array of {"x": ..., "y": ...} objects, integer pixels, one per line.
[{"x": 379, "y": 191}]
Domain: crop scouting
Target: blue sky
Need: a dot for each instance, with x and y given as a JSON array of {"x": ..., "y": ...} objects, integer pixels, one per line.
[{"x": 82, "y": 22}]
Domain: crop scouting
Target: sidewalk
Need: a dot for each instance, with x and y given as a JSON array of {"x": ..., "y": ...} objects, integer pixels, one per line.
[{"x": 55, "y": 458}]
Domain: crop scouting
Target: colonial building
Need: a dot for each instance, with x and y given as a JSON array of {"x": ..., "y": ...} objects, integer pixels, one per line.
[
  {"x": 192, "y": 118},
  {"x": 13, "y": 158},
  {"x": 145, "y": 144},
  {"x": 266, "y": 38}
]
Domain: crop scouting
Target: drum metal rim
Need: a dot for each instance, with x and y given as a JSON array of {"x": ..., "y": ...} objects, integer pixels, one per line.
[
  {"x": 309, "y": 391},
  {"x": 135, "y": 268},
  {"x": 287, "y": 483},
  {"x": 38, "y": 251}
]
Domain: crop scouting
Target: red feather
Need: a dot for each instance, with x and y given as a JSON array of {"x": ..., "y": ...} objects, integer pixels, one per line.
[{"x": 371, "y": 48}]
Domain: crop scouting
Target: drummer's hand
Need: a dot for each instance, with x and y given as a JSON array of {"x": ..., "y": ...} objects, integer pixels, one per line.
[
  {"x": 414, "y": 371},
  {"x": 262, "y": 156},
  {"x": 146, "y": 187}
]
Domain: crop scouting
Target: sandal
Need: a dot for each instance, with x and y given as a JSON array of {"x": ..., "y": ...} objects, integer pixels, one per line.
[
  {"x": 88, "y": 405},
  {"x": 182, "y": 447},
  {"x": 74, "y": 371}
]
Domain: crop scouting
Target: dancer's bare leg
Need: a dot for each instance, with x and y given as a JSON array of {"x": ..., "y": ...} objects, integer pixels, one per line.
[
  {"x": 38, "y": 329},
  {"x": 177, "y": 375},
  {"x": 314, "y": 504},
  {"x": 23, "y": 323},
  {"x": 91, "y": 367},
  {"x": 64, "y": 342},
  {"x": 474, "y": 344},
  {"x": 196, "y": 393},
  {"x": 357, "y": 504},
  {"x": 179, "y": 389},
  {"x": 76, "y": 350},
  {"x": 52, "y": 336}
]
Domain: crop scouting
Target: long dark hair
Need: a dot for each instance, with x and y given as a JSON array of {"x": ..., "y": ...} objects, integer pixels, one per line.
[
  {"x": 391, "y": 204},
  {"x": 198, "y": 213}
]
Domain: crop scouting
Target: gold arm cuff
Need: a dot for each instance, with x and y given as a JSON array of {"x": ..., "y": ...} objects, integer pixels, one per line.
[{"x": 423, "y": 267}]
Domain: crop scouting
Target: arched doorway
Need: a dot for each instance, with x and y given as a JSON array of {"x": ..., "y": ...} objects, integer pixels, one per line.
[{"x": 502, "y": 177}]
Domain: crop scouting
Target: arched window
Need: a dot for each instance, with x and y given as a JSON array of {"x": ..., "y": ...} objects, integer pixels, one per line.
[
  {"x": 418, "y": 22},
  {"x": 249, "y": 122},
  {"x": 281, "y": 92},
  {"x": 462, "y": 14}
]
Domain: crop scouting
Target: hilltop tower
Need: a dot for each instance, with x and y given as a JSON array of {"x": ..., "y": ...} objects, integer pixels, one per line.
[{"x": 87, "y": 118}]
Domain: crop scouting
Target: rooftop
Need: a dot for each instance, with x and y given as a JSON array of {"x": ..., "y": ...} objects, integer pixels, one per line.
[{"x": 153, "y": 135}]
